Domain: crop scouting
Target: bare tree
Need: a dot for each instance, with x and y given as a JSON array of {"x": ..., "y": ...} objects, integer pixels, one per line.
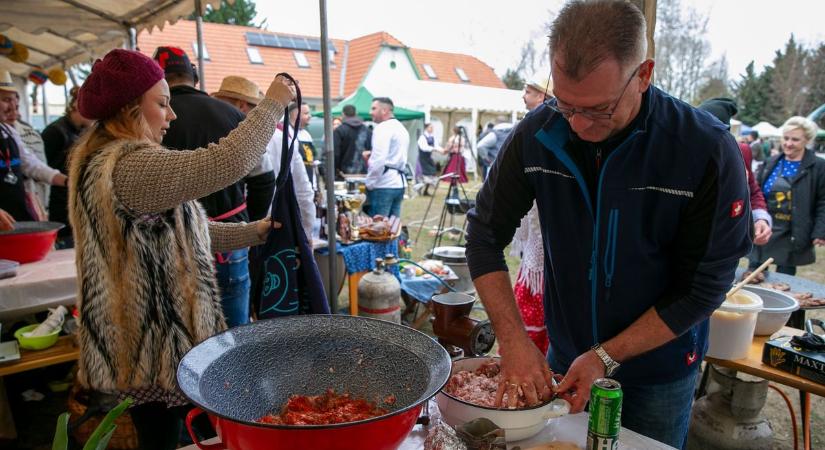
[{"x": 681, "y": 49}]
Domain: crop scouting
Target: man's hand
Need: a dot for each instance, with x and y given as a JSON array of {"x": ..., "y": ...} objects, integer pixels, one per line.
[
  {"x": 575, "y": 387},
  {"x": 762, "y": 232},
  {"x": 523, "y": 367},
  {"x": 264, "y": 225},
  {"x": 6, "y": 221},
  {"x": 366, "y": 155},
  {"x": 819, "y": 242}
]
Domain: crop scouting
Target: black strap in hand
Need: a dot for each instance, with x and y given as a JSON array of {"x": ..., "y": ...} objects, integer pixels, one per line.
[{"x": 287, "y": 146}]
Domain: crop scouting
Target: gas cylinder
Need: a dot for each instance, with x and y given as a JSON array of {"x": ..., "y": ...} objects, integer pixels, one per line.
[
  {"x": 379, "y": 293},
  {"x": 729, "y": 418}
]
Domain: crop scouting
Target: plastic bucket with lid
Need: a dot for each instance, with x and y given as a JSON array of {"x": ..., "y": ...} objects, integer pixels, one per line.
[{"x": 732, "y": 326}]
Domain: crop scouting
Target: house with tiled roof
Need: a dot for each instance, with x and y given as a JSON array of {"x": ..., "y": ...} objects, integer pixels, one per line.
[{"x": 450, "y": 88}]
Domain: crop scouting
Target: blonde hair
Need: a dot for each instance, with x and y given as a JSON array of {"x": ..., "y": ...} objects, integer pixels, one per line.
[
  {"x": 128, "y": 123},
  {"x": 808, "y": 127}
]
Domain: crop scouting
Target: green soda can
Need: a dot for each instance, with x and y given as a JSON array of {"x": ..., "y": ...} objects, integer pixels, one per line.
[{"x": 605, "y": 415}]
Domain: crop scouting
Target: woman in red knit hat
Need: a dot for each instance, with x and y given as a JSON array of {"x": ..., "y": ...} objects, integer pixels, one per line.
[{"x": 147, "y": 290}]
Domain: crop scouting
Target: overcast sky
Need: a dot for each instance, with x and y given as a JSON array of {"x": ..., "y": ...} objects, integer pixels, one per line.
[{"x": 743, "y": 30}]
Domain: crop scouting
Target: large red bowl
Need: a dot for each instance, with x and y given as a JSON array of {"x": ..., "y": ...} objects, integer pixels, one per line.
[
  {"x": 29, "y": 241},
  {"x": 243, "y": 374}
]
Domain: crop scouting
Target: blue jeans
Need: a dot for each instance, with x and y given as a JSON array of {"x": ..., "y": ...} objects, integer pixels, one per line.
[
  {"x": 660, "y": 411},
  {"x": 386, "y": 202},
  {"x": 234, "y": 283}
]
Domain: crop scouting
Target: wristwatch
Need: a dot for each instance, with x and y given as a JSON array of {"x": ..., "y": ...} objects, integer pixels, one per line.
[{"x": 610, "y": 366}]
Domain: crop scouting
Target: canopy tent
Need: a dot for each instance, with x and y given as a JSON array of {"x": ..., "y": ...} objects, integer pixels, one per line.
[
  {"x": 362, "y": 101},
  {"x": 767, "y": 130},
  {"x": 61, "y": 33},
  {"x": 421, "y": 94}
]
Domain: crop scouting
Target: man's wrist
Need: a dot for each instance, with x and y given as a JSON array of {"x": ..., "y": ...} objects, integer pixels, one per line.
[{"x": 610, "y": 365}]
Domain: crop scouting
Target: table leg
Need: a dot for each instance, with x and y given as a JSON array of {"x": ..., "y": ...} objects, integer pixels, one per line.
[
  {"x": 7, "y": 428},
  {"x": 425, "y": 316},
  {"x": 805, "y": 406},
  {"x": 353, "y": 280},
  {"x": 703, "y": 383}
]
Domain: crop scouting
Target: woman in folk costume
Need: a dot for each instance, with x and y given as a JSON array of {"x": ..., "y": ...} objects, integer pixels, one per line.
[
  {"x": 147, "y": 290},
  {"x": 456, "y": 146},
  {"x": 528, "y": 290}
]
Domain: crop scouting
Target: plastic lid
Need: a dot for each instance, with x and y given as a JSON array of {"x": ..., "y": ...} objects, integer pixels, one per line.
[{"x": 741, "y": 302}]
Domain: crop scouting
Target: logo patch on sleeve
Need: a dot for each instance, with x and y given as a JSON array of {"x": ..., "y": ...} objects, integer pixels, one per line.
[{"x": 737, "y": 208}]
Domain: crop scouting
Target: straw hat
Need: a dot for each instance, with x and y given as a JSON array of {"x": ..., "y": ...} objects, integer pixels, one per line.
[
  {"x": 240, "y": 88},
  {"x": 542, "y": 85},
  {"x": 6, "y": 84}
]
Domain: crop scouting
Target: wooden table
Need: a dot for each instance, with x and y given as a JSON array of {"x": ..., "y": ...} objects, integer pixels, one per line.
[
  {"x": 753, "y": 365},
  {"x": 64, "y": 350}
]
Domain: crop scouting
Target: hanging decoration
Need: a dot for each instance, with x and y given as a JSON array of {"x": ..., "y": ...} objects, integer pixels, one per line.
[
  {"x": 57, "y": 76},
  {"x": 38, "y": 75},
  {"x": 6, "y": 45},
  {"x": 19, "y": 53}
]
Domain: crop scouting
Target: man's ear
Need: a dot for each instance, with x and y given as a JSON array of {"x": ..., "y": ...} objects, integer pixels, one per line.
[{"x": 646, "y": 74}]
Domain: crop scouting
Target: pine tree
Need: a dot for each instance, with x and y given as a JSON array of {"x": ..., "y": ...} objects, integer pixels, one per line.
[
  {"x": 753, "y": 93},
  {"x": 513, "y": 80},
  {"x": 241, "y": 12},
  {"x": 815, "y": 79},
  {"x": 789, "y": 79}
]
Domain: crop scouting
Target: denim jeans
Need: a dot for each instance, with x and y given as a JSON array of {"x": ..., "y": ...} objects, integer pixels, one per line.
[
  {"x": 234, "y": 283},
  {"x": 386, "y": 202},
  {"x": 660, "y": 411}
]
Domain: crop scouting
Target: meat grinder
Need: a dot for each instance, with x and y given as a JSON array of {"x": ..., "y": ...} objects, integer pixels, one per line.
[{"x": 459, "y": 333}]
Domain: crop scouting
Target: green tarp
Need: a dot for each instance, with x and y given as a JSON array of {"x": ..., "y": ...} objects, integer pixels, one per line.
[{"x": 362, "y": 100}]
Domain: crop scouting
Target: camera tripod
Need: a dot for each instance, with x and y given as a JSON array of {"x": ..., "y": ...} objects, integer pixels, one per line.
[{"x": 455, "y": 203}]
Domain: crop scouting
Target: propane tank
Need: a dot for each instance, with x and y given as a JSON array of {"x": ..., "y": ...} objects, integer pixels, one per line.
[
  {"x": 728, "y": 418},
  {"x": 379, "y": 293}
]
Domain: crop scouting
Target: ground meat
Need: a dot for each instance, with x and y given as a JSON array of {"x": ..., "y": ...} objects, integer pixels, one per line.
[
  {"x": 479, "y": 387},
  {"x": 324, "y": 409}
]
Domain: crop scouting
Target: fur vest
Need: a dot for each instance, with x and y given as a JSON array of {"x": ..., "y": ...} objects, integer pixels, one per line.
[{"x": 146, "y": 283}]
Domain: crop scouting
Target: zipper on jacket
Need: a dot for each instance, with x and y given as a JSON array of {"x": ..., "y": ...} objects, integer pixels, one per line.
[
  {"x": 594, "y": 291},
  {"x": 610, "y": 247}
]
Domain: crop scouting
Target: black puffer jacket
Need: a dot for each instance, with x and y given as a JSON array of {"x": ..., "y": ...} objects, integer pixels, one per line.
[{"x": 350, "y": 139}]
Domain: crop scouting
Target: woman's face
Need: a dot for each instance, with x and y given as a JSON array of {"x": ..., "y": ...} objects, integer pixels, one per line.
[
  {"x": 793, "y": 144},
  {"x": 157, "y": 111}
]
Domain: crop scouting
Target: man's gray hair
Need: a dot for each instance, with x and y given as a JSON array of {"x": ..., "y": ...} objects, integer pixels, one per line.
[{"x": 589, "y": 32}]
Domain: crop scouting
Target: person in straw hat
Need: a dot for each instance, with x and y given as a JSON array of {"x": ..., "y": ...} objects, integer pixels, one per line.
[
  {"x": 536, "y": 91},
  {"x": 245, "y": 95},
  {"x": 203, "y": 120},
  {"x": 144, "y": 247}
]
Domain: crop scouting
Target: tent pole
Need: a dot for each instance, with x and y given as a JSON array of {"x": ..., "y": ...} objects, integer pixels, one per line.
[
  {"x": 45, "y": 105},
  {"x": 199, "y": 31},
  {"x": 329, "y": 161}
]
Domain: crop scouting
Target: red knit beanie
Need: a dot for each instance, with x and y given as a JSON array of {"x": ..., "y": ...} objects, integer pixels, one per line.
[{"x": 117, "y": 79}]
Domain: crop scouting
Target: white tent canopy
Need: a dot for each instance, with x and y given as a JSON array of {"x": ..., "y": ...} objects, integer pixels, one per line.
[
  {"x": 61, "y": 33},
  {"x": 767, "y": 130},
  {"x": 422, "y": 95}
]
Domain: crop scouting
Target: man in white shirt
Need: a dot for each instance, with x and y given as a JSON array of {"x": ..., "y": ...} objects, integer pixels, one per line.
[{"x": 385, "y": 167}]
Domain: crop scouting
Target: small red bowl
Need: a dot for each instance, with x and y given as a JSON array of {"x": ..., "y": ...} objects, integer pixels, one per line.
[{"x": 29, "y": 241}]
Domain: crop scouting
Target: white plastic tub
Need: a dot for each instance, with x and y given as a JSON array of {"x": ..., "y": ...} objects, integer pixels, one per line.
[{"x": 732, "y": 326}]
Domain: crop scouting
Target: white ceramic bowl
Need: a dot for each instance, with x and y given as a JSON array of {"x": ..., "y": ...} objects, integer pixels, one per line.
[
  {"x": 518, "y": 424},
  {"x": 776, "y": 310}
]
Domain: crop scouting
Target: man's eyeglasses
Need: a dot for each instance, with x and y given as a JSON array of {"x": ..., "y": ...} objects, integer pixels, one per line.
[{"x": 588, "y": 113}]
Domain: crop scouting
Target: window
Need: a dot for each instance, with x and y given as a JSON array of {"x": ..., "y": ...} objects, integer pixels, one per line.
[
  {"x": 460, "y": 72},
  {"x": 301, "y": 59},
  {"x": 429, "y": 70},
  {"x": 254, "y": 55},
  {"x": 195, "y": 50}
]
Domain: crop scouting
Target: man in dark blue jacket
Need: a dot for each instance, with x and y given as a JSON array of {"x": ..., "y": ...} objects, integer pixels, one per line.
[{"x": 644, "y": 210}]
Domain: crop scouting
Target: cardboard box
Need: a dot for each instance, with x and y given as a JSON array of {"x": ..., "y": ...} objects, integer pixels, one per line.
[{"x": 780, "y": 354}]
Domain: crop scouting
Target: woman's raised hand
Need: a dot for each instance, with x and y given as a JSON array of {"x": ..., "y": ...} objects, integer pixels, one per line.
[{"x": 281, "y": 90}]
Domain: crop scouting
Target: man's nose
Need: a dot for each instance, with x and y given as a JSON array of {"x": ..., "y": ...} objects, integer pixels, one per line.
[{"x": 579, "y": 122}]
